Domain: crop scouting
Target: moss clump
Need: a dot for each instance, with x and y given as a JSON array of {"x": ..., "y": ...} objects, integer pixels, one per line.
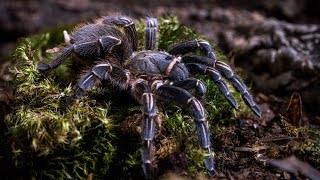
[
  {"x": 312, "y": 147},
  {"x": 54, "y": 139},
  {"x": 50, "y": 139}
]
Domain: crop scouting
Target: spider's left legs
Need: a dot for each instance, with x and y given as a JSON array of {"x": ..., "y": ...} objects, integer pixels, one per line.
[
  {"x": 128, "y": 27},
  {"x": 142, "y": 92},
  {"x": 189, "y": 46},
  {"x": 151, "y": 34},
  {"x": 182, "y": 97}
]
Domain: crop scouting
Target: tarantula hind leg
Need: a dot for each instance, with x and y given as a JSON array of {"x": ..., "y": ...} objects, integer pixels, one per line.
[
  {"x": 182, "y": 97},
  {"x": 215, "y": 75},
  {"x": 239, "y": 85},
  {"x": 217, "y": 78},
  {"x": 192, "y": 83},
  {"x": 204, "y": 65},
  {"x": 142, "y": 92},
  {"x": 90, "y": 50}
]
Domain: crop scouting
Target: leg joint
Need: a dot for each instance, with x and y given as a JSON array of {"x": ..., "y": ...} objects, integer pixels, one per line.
[
  {"x": 171, "y": 65},
  {"x": 117, "y": 20},
  {"x": 152, "y": 23},
  {"x": 196, "y": 109}
]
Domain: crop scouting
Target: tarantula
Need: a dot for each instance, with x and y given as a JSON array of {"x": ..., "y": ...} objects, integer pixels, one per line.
[{"x": 151, "y": 75}]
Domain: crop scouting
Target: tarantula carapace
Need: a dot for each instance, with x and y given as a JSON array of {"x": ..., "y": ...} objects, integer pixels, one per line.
[{"x": 150, "y": 75}]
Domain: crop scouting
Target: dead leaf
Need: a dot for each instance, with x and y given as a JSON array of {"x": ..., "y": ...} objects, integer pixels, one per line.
[
  {"x": 296, "y": 166},
  {"x": 292, "y": 118},
  {"x": 90, "y": 176},
  {"x": 294, "y": 110}
]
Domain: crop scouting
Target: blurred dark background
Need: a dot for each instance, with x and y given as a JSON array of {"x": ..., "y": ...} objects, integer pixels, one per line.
[{"x": 20, "y": 18}]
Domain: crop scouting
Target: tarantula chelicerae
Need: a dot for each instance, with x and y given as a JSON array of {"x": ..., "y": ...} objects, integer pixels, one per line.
[{"x": 151, "y": 75}]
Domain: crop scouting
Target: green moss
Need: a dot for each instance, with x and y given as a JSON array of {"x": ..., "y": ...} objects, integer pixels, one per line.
[
  {"x": 49, "y": 139},
  {"x": 312, "y": 147},
  {"x": 54, "y": 139}
]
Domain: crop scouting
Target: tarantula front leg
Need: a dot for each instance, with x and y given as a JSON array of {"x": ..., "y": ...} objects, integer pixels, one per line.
[
  {"x": 128, "y": 27},
  {"x": 90, "y": 50},
  {"x": 151, "y": 34},
  {"x": 104, "y": 70},
  {"x": 182, "y": 97},
  {"x": 142, "y": 92},
  {"x": 189, "y": 46}
]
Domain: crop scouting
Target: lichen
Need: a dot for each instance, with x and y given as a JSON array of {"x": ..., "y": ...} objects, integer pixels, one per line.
[{"x": 52, "y": 138}]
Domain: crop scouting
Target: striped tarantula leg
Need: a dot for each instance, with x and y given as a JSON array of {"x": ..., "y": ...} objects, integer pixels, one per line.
[
  {"x": 198, "y": 63},
  {"x": 142, "y": 92},
  {"x": 91, "y": 49},
  {"x": 106, "y": 43},
  {"x": 128, "y": 27},
  {"x": 217, "y": 78},
  {"x": 90, "y": 79},
  {"x": 189, "y": 46},
  {"x": 239, "y": 85},
  {"x": 151, "y": 34},
  {"x": 118, "y": 76},
  {"x": 192, "y": 83},
  {"x": 196, "y": 59},
  {"x": 182, "y": 97}
]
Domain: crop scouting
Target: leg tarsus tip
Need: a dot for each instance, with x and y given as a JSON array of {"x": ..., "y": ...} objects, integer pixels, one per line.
[
  {"x": 256, "y": 110},
  {"x": 148, "y": 170},
  {"x": 43, "y": 67},
  {"x": 212, "y": 172}
]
